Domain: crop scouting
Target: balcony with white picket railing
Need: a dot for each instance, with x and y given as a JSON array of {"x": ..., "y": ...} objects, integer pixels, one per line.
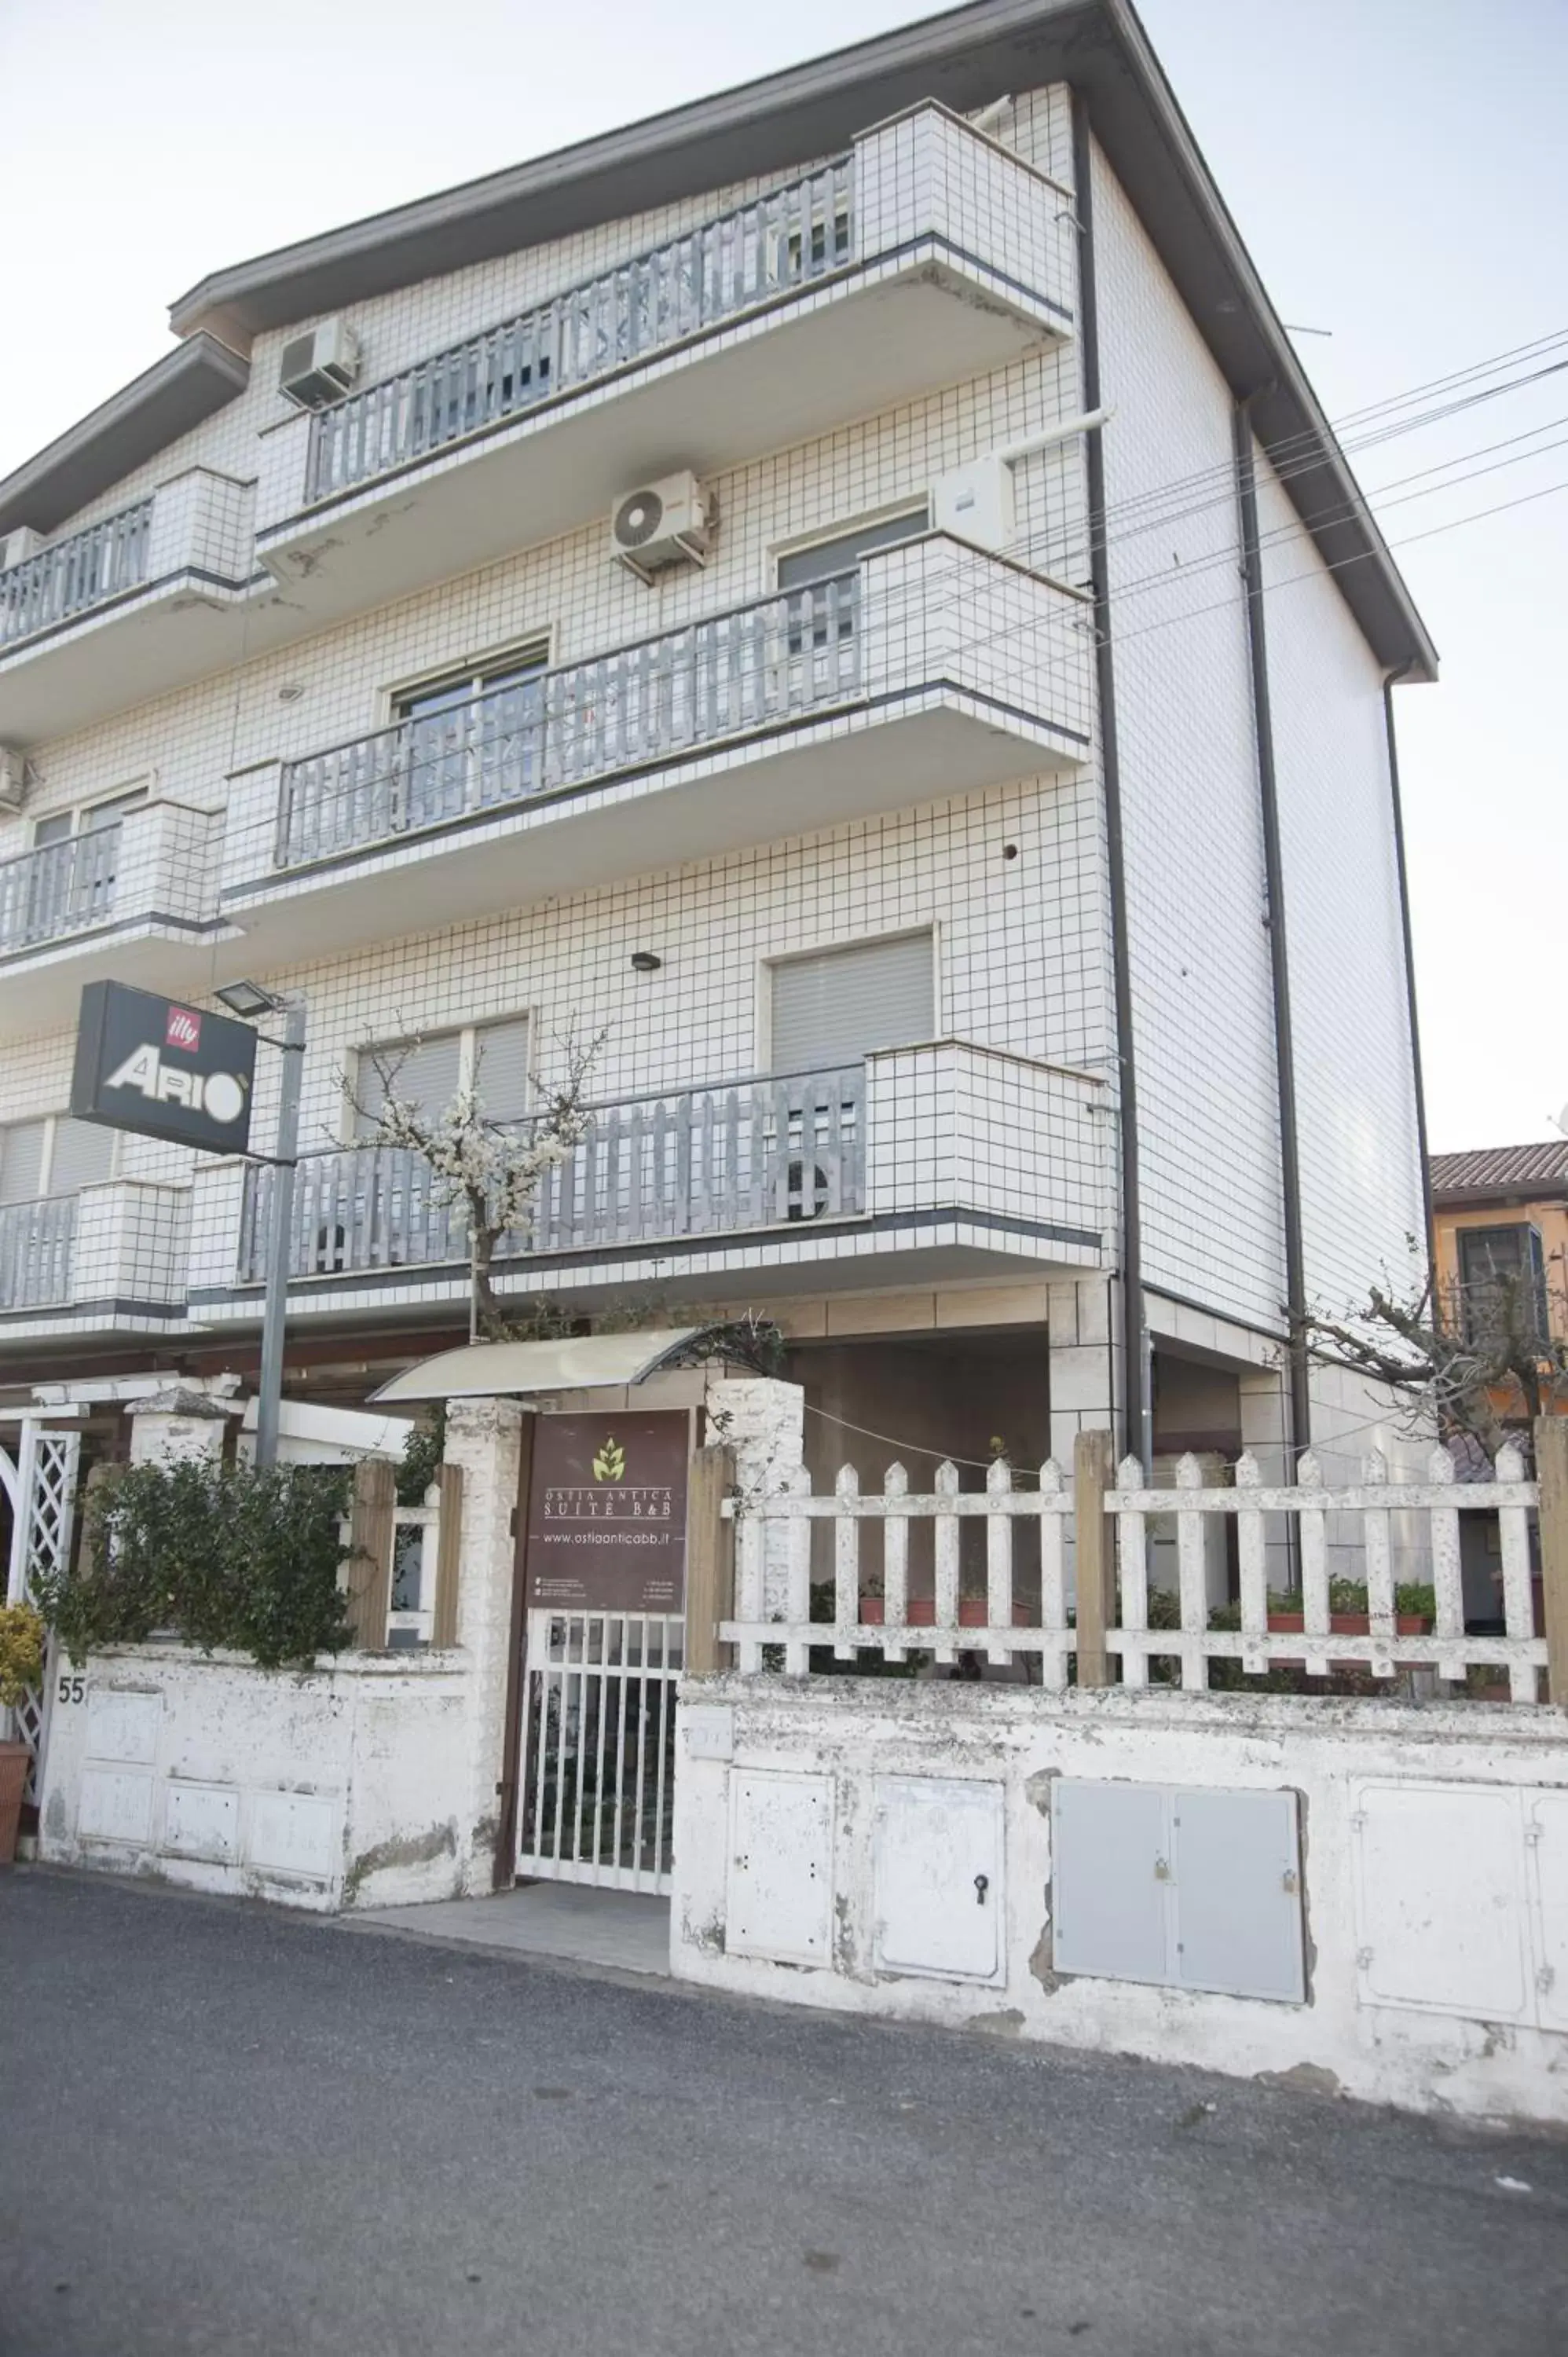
[
  {"x": 932, "y": 668},
  {"x": 925, "y": 255},
  {"x": 125, "y": 609},
  {"x": 946, "y": 1160},
  {"x": 109, "y": 1259},
  {"x": 133, "y": 899}
]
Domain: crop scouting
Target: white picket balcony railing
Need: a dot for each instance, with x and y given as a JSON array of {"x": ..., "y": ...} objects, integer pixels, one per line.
[
  {"x": 717, "y": 678},
  {"x": 58, "y": 890},
  {"x": 74, "y": 575},
  {"x": 773, "y": 1573},
  {"x": 692, "y": 1162},
  {"x": 691, "y": 283},
  {"x": 36, "y": 1252}
]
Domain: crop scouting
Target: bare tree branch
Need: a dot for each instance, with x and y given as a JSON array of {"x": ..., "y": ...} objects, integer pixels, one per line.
[{"x": 493, "y": 1171}]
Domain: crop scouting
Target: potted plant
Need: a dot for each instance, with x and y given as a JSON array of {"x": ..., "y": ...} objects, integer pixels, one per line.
[
  {"x": 21, "y": 1673},
  {"x": 1415, "y": 1609}
]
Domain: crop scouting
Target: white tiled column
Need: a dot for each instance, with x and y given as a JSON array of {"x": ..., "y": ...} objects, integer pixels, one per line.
[
  {"x": 485, "y": 1438},
  {"x": 1081, "y": 1362}
]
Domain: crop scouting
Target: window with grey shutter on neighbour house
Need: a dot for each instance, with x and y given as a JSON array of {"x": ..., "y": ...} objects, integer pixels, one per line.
[
  {"x": 836, "y": 1007},
  {"x": 1502, "y": 1279}
]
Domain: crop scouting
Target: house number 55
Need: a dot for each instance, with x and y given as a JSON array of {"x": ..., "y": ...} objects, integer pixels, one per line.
[{"x": 71, "y": 1690}]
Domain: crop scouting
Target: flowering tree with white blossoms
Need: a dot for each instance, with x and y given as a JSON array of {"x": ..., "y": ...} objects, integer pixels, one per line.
[{"x": 494, "y": 1172}]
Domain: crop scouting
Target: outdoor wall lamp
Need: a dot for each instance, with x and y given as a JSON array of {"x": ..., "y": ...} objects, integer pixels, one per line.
[{"x": 644, "y": 962}]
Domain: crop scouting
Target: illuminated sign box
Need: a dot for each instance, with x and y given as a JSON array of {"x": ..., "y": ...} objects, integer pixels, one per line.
[{"x": 162, "y": 1068}]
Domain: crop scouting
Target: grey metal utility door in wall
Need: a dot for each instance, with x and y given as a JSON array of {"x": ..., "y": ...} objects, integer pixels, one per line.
[{"x": 839, "y": 1005}]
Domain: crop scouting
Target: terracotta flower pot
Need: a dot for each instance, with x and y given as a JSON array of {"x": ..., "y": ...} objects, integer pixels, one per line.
[
  {"x": 15, "y": 1761},
  {"x": 921, "y": 1613},
  {"x": 1348, "y": 1624}
]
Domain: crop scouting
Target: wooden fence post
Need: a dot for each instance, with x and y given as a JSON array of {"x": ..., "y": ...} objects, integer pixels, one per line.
[
  {"x": 1551, "y": 1472},
  {"x": 448, "y": 1554},
  {"x": 709, "y": 1560},
  {"x": 1094, "y": 1555},
  {"x": 371, "y": 1552}
]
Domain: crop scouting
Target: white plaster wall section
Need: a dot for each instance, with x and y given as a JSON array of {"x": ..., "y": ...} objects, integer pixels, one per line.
[
  {"x": 340, "y": 1786},
  {"x": 1360, "y": 1182},
  {"x": 1208, "y": 1136},
  {"x": 484, "y": 1437},
  {"x": 1390, "y": 2043}
]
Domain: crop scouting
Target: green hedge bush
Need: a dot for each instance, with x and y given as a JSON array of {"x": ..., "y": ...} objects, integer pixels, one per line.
[{"x": 219, "y": 1556}]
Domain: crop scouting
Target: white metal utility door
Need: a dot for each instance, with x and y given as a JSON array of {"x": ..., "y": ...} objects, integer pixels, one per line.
[{"x": 598, "y": 1747}]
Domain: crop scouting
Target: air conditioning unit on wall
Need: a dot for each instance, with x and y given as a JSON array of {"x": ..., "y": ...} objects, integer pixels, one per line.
[
  {"x": 17, "y": 544},
  {"x": 13, "y": 778},
  {"x": 319, "y": 367},
  {"x": 664, "y": 524}
]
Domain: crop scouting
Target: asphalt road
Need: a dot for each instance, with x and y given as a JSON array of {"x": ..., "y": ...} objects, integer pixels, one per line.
[{"x": 224, "y": 2130}]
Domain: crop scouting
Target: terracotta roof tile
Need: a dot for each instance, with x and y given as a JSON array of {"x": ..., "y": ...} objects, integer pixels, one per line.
[{"x": 1512, "y": 1169}]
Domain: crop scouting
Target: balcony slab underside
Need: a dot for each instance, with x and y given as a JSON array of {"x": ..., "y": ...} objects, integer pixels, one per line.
[
  {"x": 42, "y": 988},
  {"x": 903, "y": 1250},
  {"x": 853, "y": 346},
  {"x": 938, "y": 741}
]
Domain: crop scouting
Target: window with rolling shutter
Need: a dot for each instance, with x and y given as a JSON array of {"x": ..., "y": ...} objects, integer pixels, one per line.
[
  {"x": 500, "y": 1068},
  {"x": 84, "y": 1154},
  {"x": 425, "y": 1076},
  {"x": 837, "y": 1005},
  {"x": 22, "y": 1161},
  {"x": 824, "y": 558}
]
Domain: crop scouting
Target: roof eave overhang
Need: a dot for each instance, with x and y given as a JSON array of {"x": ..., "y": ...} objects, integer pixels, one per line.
[
  {"x": 965, "y": 57},
  {"x": 143, "y": 417}
]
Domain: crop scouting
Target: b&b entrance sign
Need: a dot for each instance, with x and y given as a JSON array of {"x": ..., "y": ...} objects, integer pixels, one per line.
[
  {"x": 606, "y": 1512},
  {"x": 152, "y": 1065}
]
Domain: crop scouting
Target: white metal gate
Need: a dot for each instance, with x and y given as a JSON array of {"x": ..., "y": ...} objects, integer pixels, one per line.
[
  {"x": 598, "y": 1747},
  {"x": 41, "y": 1488}
]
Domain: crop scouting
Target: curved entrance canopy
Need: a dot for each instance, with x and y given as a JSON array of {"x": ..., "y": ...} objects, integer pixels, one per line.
[{"x": 521, "y": 1369}]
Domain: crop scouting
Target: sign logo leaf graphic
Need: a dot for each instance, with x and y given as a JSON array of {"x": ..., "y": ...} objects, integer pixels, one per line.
[{"x": 609, "y": 1465}]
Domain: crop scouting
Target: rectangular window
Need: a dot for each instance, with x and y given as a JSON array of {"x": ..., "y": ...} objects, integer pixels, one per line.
[
  {"x": 53, "y": 1155},
  {"x": 84, "y": 1154},
  {"x": 1502, "y": 1283},
  {"x": 425, "y": 1076},
  {"x": 22, "y": 1146},
  {"x": 493, "y": 1055},
  {"x": 500, "y": 1068},
  {"x": 471, "y": 736},
  {"x": 797, "y": 568},
  {"x": 837, "y": 1005}
]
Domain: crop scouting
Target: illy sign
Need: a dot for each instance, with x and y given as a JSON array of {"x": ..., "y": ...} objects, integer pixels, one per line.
[{"x": 162, "y": 1069}]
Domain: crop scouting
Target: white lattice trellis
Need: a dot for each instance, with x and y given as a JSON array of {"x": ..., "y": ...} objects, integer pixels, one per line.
[{"x": 43, "y": 1504}]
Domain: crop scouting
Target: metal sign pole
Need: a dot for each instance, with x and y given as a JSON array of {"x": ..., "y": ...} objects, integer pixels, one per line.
[{"x": 269, "y": 1391}]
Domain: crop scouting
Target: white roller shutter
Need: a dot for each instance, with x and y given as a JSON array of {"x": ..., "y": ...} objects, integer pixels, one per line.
[
  {"x": 836, "y": 1007},
  {"x": 425, "y": 1076},
  {"x": 21, "y": 1161},
  {"x": 85, "y": 1153},
  {"x": 500, "y": 1058}
]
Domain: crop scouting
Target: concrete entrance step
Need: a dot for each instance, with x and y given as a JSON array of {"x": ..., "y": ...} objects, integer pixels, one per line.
[{"x": 549, "y": 1919}]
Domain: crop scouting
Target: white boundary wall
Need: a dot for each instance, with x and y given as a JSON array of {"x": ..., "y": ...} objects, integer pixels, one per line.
[
  {"x": 1441, "y": 1986},
  {"x": 337, "y": 1787}
]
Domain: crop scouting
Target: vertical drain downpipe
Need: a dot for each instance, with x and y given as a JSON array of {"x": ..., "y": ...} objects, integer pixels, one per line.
[
  {"x": 1137, "y": 1438},
  {"x": 1279, "y": 959}
]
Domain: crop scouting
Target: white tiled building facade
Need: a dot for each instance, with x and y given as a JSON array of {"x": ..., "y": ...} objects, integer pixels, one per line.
[{"x": 904, "y": 344}]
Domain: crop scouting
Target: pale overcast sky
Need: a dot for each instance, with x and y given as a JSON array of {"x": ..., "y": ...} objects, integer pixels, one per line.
[{"x": 1397, "y": 166}]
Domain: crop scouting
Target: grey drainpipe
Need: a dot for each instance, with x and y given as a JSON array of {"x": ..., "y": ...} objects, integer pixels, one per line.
[
  {"x": 1279, "y": 958},
  {"x": 1390, "y": 684},
  {"x": 1137, "y": 1414}
]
